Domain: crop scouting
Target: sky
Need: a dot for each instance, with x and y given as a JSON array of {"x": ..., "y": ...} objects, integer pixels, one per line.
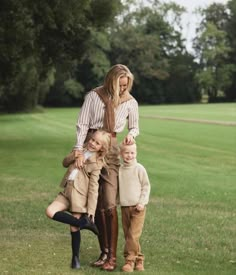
[{"x": 190, "y": 20}]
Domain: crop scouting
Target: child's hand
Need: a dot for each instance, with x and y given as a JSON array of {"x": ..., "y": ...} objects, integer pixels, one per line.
[
  {"x": 139, "y": 207},
  {"x": 79, "y": 159},
  {"x": 91, "y": 217}
]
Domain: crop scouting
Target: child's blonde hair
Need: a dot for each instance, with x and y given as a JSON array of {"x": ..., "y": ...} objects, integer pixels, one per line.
[
  {"x": 106, "y": 143},
  {"x": 123, "y": 145}
]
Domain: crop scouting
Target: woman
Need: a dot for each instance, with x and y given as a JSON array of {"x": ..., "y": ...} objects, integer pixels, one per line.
[{"x": 109, "y": 107}]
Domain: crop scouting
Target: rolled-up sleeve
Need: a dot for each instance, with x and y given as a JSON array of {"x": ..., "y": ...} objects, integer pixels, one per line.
[
  {"x": 83, "y": 122},
  {"x": 93, "y": 192},
  {"x": 133, "y": 119}
]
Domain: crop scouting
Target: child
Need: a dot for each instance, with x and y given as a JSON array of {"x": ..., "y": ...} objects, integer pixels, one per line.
[
  {"x": 134, "y": 190},
  {"x": 80, "y": 191}
]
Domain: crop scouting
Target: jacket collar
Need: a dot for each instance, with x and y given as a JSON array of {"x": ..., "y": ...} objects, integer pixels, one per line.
[{"x": 92, "y": 158}]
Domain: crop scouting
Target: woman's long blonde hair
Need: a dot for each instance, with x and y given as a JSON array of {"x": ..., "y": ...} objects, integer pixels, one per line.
[{"x": 112, "y": 84}]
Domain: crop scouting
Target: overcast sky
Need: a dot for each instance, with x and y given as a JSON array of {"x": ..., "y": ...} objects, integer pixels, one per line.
[{"x": 189, "y": 19}]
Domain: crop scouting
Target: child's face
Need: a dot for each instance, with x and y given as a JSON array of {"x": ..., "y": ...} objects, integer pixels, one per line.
[
  {"x": 128, "y": 153},
  {"x": 95, "y": 143}
]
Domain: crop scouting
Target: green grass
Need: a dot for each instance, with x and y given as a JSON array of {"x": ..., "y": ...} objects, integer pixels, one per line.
[
  {"x": 217, "y": 112},
  {"x": 190, "y": 226}
]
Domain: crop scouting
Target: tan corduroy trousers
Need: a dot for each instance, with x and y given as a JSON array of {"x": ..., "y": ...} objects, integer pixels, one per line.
[{"x": 132, "y": 222}]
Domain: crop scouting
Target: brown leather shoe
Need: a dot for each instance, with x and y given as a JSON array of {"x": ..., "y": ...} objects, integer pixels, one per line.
[
  {"x": 139, "y": 265},
  {"x": 100, "y": 261},
  {"x": 110, "y": 264},
  {"x": 129, "y": 266}
]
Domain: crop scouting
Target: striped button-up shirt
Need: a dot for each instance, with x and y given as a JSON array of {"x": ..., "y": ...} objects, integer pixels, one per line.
[{"x": 92, "y": 114}]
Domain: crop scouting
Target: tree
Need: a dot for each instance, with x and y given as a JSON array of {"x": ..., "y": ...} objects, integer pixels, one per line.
[
  {"x": 40, "y": 37},
  {"x": 150, "y": 43},
  {"x": 91, "y": 70},
  {"x": 181, "y": 86},
  {"x": 231, "y": 31},
  {"x": 213, "y": 51}
]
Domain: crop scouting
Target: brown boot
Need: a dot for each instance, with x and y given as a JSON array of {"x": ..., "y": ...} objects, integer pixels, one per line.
[
  {"x": 100, "y": 221},
  {"x": 112, "y": 226},
  {"x": 110, "y": 264},
  {"x": 101, "y": 260}
]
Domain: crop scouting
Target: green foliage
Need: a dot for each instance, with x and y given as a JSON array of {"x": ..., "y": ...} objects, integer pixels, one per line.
[
  {"x": 21, "y": 90},
  {"x": 91, "y": 70},
  {"x": 104, "y": 11},
  {"x": 65, "y": 93},
  {"x": 38, "y": 37},
  {"x": 214, "y": 50},
  {"x": 231, "y": 27},
  {"x": 73, "y": 88},
  {"x": 181, "y": 86},
  {"x": 153, "y": 49},
  {"x": 19, "y": 77},
  {"x": 53, "y": 52}
]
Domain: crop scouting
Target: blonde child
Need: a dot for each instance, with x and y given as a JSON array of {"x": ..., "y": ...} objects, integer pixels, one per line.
[
  {"x": 134, "y": 190},
  {"x": 80, "y": 193}
]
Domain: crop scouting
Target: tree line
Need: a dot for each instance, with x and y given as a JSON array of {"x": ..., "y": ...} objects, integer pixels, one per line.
[{"x": 53, "y": 51}]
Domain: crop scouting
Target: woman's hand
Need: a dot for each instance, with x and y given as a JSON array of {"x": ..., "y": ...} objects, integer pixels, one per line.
[
  {"x": 129, "y": 139},
  {"x": 79, "y": 159}
]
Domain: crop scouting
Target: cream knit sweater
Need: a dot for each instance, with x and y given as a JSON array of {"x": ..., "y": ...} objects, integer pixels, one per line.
[{"x": 134, "y": 185}]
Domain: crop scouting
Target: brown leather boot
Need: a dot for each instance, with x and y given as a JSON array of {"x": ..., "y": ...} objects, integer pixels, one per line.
[
  {"x": 100, "y": 221},
  {"x": 112, "y": 226}
]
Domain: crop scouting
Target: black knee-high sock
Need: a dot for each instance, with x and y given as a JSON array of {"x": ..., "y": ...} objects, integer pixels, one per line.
[
  {"x": 75, "y": 243},
  {"x": 64, "y": 217}
]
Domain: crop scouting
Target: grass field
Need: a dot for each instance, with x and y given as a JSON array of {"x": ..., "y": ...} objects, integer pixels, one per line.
[{"x": 190, "y": 226}]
